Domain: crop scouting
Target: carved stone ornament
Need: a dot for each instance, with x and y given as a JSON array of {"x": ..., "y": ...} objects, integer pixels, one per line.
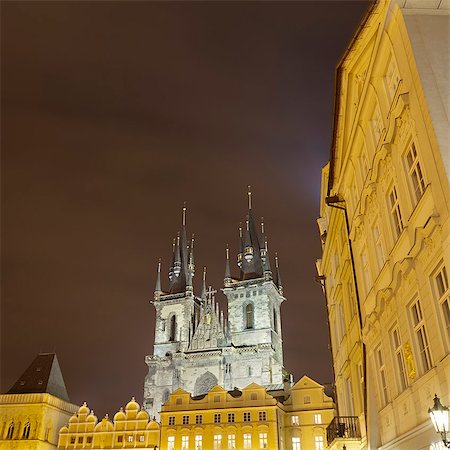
[{"x": 409, "y": 358}]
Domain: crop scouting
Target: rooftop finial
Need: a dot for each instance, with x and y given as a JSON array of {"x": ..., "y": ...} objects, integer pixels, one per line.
[
  {"x": 203, "y": 295},
  {"x": 184, "y": 214},
  {"x": 262, "y": 226},
  {"x": 278, "y": 277},
  {"x": 227, "y": 277},
  {"x": 249, "y": 197},
  {"x": 158, "y": 281}
]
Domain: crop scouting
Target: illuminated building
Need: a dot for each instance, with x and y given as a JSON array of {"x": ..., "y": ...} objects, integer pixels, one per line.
[
  {"x": 195, "y": 348},
  {"x": 36, "y": 407},
  {"x": 251, "y": 418},
  {"x": 130, "y": 428},
  {"x": 385, "y": 228}
]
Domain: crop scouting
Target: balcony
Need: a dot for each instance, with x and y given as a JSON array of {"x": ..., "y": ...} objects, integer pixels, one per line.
[{"x": 345, "y": 427}]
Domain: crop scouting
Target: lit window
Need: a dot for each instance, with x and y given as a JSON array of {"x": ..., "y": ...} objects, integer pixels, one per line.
[
  {"x": 130, "y": 438},
  {"x": 295, "y": 443},
  {"x": 306, "y": 399},
  {"x": 170, "y": 442},
  {"x": 396, "y": 214},
  {"x": 171, "y": 420},
  {"x": 198, "y": 419},
  {"x": 198, "y": 442},
  {"x": 317, "y": 418},
  {"x": 184, "y": 442},
  {"x": 421, "y": 335},
  {"x": 294, "y": 420},
  {"x": 217, "y": 418},
  {"x": 231, "y": 442},
  {"x": 415, "y": 173},
  {"x": 217, "y": 441},
  {"x": 141, "y": 438},
  {"x": 443, "y": 295},
  {"x": 382, "y": 376},
  {"x": 263, "y": 440},
  {"x": 247, "y": 417},
  {"x": 247, "y": 441},
  {"x": 318, "y": 441},
  {"x": 262, "y": 415},
  {"x": 231, "y": 417},
  {"x": 399, "y": 358},
  {"x": 185, "y": 420}
]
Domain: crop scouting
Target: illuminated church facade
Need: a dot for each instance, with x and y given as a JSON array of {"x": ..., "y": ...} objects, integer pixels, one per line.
[{"x": 195, "y": 347}]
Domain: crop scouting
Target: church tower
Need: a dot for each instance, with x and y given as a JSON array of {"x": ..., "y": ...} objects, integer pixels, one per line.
[
  {"x": 195, "y": 346},
  {"x": 254, "y": 302}
]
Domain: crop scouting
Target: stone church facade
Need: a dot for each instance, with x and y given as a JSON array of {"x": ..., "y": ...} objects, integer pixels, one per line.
[{"x": 195, "y": 347}]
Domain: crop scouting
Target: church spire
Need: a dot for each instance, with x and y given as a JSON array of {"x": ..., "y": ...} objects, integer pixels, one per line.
[
  {"x": 158, "y": 290},
  {"x": 251, "y": 266},
  {"x": 204, "y": 291},
  {"x": 278, "y": 277},
  {"x": 227, "y": 277}
]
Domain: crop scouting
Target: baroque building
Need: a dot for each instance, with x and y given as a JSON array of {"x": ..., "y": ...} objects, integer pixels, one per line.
[
  {"x": 130, "y": 428},
  {"x": 248, "y": 418},
  {"x": 195, "y": 347},
  {"x": 36, "y": 407},
  {"x": 385, "y": 228}
]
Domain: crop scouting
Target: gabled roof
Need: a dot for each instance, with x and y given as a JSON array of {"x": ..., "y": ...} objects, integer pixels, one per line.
[
  {"x": 306, "y": 383},
  {"x": 42, "y": 376}
]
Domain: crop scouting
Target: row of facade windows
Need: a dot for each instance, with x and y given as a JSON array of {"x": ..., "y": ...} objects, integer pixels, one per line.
[
  {"x": 25, "y": 432},
  {"x": 120, "y": 438},
  {"x": 217, "y": 418},
  {"x": 402, "y": 354},
  {"x": 248, "y": 321},
  {"x": 317, "y": 418},
  {"x": 230, "y": 444}
]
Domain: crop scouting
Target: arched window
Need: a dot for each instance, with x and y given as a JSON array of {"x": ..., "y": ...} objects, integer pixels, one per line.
[
  {"x": 10, "y": 431},
  {"x": 249, "y": 316},
  {"x": 26, "y": 431},
  {"x": 173, "y": 328},
  {"x": 275, "y": 323},
  {"x": 165, "y": 396}
]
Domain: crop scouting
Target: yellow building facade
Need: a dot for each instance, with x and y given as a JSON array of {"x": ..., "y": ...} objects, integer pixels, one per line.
[
  {"x": 251, "y": 418},
  {"x": 35, "y": 408},
  {"x": 130, "y": 428},
  {"x": 384, "y": 228}
]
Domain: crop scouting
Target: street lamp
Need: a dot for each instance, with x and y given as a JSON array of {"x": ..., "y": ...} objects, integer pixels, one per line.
[{"x": 439, "y": 416}]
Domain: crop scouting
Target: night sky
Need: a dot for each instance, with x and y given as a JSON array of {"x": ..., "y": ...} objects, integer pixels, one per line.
[{"x": 113, "y": 115}]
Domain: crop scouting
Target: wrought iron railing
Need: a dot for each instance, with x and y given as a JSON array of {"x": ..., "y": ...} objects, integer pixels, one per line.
[{"x": 343, "y": 427}]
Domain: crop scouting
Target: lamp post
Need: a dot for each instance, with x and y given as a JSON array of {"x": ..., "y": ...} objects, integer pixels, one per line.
[{"x": 439, "y": 416}]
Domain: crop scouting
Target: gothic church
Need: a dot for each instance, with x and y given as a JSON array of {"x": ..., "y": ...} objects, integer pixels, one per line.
[{"x": 195, "y": 347}]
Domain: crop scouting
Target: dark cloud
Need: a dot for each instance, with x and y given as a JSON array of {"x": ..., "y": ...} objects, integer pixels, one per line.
[{"x": 113, "y": 114}]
